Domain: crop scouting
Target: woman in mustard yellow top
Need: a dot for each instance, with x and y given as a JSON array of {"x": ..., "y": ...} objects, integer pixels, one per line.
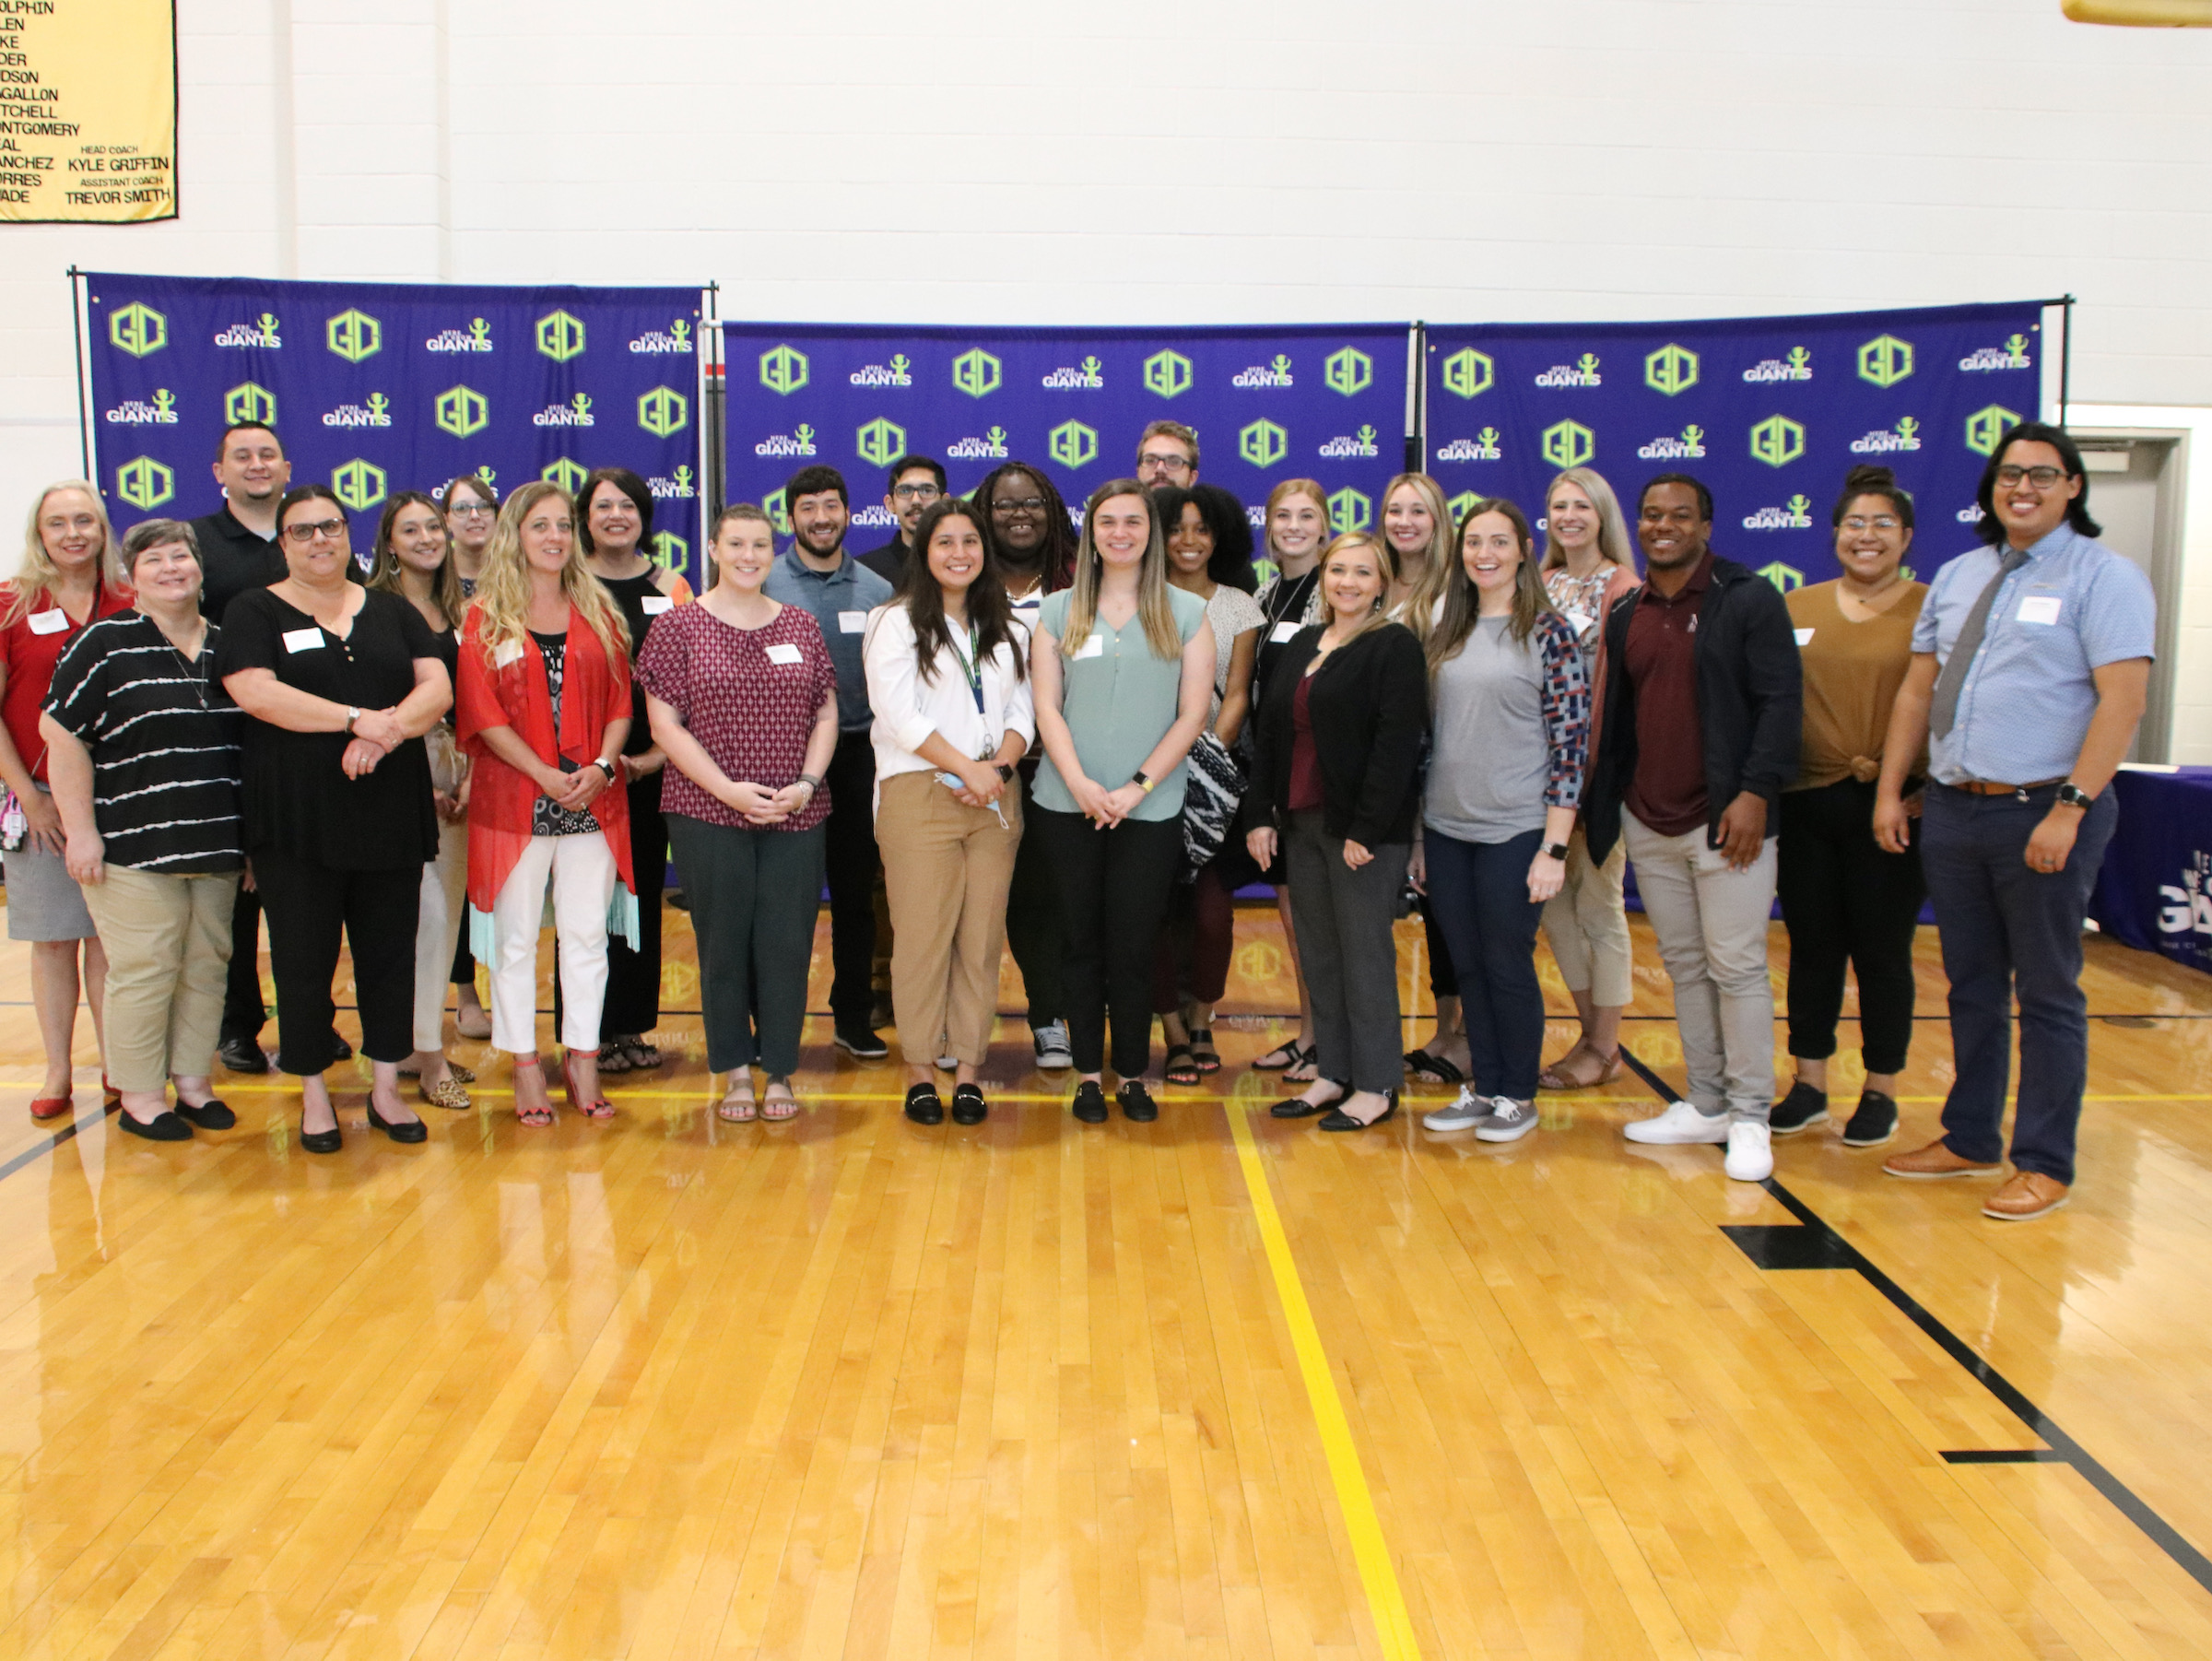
[{"x": 1843, "y": 898}]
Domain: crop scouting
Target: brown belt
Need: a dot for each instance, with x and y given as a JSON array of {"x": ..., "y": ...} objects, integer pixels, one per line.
[{"x": 1983, "y": 787}]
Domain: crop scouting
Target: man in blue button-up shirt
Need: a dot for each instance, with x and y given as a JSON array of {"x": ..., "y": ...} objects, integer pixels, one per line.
[
  {"x": 2030, "y": 665},
  {"x": 820, "y": 578}
]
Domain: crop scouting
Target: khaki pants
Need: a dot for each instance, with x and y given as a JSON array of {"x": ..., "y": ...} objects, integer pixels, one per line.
[
  {"x": 1588, "y": 926},
  {"x": 168, "y": 940},
  {"x": 946, "y": 868}
]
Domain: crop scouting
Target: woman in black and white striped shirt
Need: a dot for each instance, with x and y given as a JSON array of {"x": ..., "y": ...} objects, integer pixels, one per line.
[{"x": 143, "y": 749}]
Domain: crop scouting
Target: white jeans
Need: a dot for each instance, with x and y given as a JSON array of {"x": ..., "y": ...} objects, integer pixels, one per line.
[
  {"x": 438, "y": 932},
  {"x": 581, "y": 869}
]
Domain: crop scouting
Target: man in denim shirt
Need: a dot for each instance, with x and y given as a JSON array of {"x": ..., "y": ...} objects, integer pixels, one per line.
[{"x": 2031, "y": 663}]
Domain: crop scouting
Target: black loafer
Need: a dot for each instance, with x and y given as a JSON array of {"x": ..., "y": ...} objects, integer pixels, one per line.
[
  {"x": 1090, "y": 1102},
  {"x": 162, "y": 1127},
  {"x": 211, "y": 1114},
  {"x": 1136, "y": 1102},
  {"x": 1339, "y": 1120},
  {"x": 322, "y": 1141},
  {"x": 1297, "y": 1107},
  {"x": 968, "y": 1106},
  {"x": 924, "y": 1105},
  {"x": 1802, "y": 1109},
  {"x": 242, "y": 1055},
  {"x": 411, "y": 1131}
]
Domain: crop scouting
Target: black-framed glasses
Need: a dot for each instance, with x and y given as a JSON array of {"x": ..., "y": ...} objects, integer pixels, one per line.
[
  {"x": 304, "y": 534},
  {"x": 1022, "y": 504},
  {"x": 1166, "y": 463},
  {"x": 2042, "y": 479},
  {"x": 916, "y": 492}
]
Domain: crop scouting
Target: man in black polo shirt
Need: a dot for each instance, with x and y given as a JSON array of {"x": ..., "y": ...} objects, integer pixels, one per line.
[{"x": 916, "y": 481}]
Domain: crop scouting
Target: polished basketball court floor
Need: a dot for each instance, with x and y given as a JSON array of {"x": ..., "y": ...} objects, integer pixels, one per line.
[{"x": 1216, "y": 1386}]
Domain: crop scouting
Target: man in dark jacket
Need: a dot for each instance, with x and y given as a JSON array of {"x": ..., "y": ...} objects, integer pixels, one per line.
[{"x": 1701, "y": 734}]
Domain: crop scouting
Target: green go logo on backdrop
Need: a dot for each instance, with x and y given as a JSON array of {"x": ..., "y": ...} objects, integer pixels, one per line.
[
  {"x": 1460, "y": 506},
  {"x": 975, "y": 372},
  {"x": 567, "y": 473},
  {"x": 1262, "y": 443},
  {"x": 1986, "y": 427},
  {"x": 359, "y": 485},
  {"x": 1885, "y": 360},
  {"x": 144, "y": 483},
  {"x": 663, "y": 412},
  {"x": 1349, "y": 511},
  {"x": 670, "y": 552},
  {"x": 1671, "y": 369},
  {"x": 1348, "y": 371},
  {"x": 354, "y": 335},
  {"x": 1568, "y": 444},
  {"x": 1072, "y": 445},
  {"x": 783, "y": 370},
  {"x": 1469, "y": 373},
  {"x": 560, "y": 336},
  {"x": 1167, "y": 374},
  {"x": 881, "y": 442},
  {"x": 138, "y": 329},
  {"x": 778, "y": 515},
  {"x": 1777, "y": 440},
  {"x": 1784, "y": 577},
  {"x": 462, "y": 411},
  {"x": 247, "y": 401}
]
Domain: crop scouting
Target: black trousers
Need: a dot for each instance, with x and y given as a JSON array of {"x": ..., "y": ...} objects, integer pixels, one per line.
[
  {"x": 1113, "y": 891},
  {"x": 244, "y": 1012},
  {"x": 310, "y": 906},
  {"x": 754, "y": 896},
  {"x": 849, "y": 856},
  {"x": 1033, "y": 920},
  {"x": 634, "y": 978},
  {"x": 1843, "y": 900}
]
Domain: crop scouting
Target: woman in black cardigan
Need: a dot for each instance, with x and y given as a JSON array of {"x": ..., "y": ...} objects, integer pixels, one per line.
[{"x": 1335, "y": 772}]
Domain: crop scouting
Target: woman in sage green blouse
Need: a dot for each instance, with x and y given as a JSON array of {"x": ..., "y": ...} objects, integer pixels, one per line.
[{"x": 1122, "y": 670}]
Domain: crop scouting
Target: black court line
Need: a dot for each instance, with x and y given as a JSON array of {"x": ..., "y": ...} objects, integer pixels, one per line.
[
  {"x": 39, "y": 1150},
  {"x": 1810, "y": 1243}
]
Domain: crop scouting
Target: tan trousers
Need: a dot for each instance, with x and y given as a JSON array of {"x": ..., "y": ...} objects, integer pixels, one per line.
[
  {"x": 168, "y": 940},
  {"x": 1588, "y": 926},
  {"x": 946, "y": 868}
]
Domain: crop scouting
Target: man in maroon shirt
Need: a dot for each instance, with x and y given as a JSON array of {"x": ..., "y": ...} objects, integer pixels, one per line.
[{"x": 1701, "y": 734}]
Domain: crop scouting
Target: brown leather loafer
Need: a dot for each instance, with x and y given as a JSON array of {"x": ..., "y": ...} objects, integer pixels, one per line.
[
  {"x": 2027, "y": 1196},
  {"x": 1935, "y": 1162}
]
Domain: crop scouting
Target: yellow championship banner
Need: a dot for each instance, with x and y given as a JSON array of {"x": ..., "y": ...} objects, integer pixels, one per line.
[{"x": 87, "y": 111}]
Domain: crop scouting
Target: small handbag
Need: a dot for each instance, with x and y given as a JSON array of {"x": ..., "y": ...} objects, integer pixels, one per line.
[{"x": 1215, "y": 784}]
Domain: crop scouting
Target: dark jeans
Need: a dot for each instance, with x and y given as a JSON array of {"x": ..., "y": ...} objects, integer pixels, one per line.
[
  {"x": 2006, "y": 928},
  {"x": 1348, "y": 952},
  {"x": 634, "y": 978},
  {"x": 244, "y": 1012},
  {"x": 309, "y": 905},
  {"x": 1844, "y": 900},
  {"x": 1033, "y": 921},
  {"x": 1479, "y": 896},
  {"x": 1444, "y": 977},
  {"x": 1194, "y": 942},
  {"x": 1113, "y": 889},
  {"x": 849, "y": 854},
  {"x": 754, "y": 898}
]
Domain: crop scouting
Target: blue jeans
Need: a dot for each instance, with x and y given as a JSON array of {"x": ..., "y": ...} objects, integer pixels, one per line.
[
  {"x": 2006, "y": 928},
  {"x": 1478, "y": 895}
]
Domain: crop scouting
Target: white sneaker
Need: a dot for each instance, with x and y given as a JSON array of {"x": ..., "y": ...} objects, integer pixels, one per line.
[
  {"x": 1470, "y": 1109},
  {"x": 1750, "y": 1152},
  {"x": 1509, "y": 1121},
  {"x": 1054, "y": 1050},
  {"x": 1680, "y": 1122}
]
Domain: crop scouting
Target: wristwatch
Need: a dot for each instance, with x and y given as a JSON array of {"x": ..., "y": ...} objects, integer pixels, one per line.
[
  {"x": 1141, "y": 781},
  {"x": 1005, "y": 772},
  {"x": 2073, "y": 796},
  {"x": 352, "y": 715},
  {"x": 1554, "y": 850},
  {"x": 606, "y": 767}
]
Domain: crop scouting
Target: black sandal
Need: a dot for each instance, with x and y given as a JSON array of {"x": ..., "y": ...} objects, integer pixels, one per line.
[
  {"x": 640, "y": 1054},
  {"x": 1182, "y": 1071},
  {"x": 1424, "y": 1063},
  {"x": 1294, "y": 1056},
  {"x": 1208, "y": 1060},
  {"x": 1297, "y": 1107}
]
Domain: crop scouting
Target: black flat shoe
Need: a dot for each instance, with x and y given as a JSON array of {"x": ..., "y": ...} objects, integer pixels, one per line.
[
  {"x": 1090, "y": 1102},
  {"x": 242, "y": 1055},
  {"x": 968, "y": 1106},
  {"x": 164, "y": 1126},
  {"x": 339, "y": 1049},
  {"x": 1136, "y": 1102},
  {"x": 1297, "y": 1107},
  {"x": 410, "y": 1132},
  {"x": 1802, "y": 1109},
  {"x": 211, "y": 1114},
  {"x": 322, "y": 1141},
  {"x": 1338, "y": 1120},
  {"x": 1874, "y": 1123},
  {"x": 1439, "y": 1069},
  {"x": 924, "y": 1105}
]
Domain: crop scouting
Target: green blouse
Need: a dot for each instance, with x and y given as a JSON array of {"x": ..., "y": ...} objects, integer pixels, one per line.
[{"x": 1118, "y": 700}]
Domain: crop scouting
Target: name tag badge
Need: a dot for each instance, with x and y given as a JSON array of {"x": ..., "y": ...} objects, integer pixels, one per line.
[
  {"x": 1579, "y": 621},
  {"x": 504, "y": 655},
  {"x": 307, "y": 640},
  {"x": 1093, "y": 647},
  {"x": 1804, "y": 638},
  {"x": 2039, "y": 608},
  {"x": 1284, "y": 633},
  {"x": 652, "y": 605},
  {"x": 851, "y": 622},
  {"x": 49, "y": 622},
  {"x": 783, "y": 654}
]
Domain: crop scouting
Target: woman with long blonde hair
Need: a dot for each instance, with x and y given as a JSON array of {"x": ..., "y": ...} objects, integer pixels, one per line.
[{"x": 544, "y": 706}]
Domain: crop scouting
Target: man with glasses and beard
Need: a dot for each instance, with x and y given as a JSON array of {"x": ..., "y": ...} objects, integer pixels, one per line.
[
  {"x": 915, "y": 482},
  {"x": 1167, "y": 453}
]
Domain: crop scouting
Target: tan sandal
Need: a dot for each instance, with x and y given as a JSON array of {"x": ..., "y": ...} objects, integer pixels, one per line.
[
  {"x": 1556, "y": 1078},
  {"x": 780, "y": 1107},
  {"x": 736, "y": 1109}
]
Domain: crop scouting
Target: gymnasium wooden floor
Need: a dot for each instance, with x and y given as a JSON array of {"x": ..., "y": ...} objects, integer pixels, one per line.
[{"x": 1217, "y": 1387}]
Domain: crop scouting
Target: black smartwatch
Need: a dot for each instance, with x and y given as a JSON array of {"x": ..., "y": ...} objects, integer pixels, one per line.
[
  {"x": 1005, "y": 772},
  {"x": 1555, "y": 851},
  {"x": 2073, "y": 796}
]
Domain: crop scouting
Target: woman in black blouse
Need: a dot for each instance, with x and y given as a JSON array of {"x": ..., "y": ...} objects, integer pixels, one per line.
[{"x": 339, "y": 683}]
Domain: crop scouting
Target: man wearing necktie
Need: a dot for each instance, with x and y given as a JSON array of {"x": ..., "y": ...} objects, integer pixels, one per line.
[{"x": 2031, "y": 664}]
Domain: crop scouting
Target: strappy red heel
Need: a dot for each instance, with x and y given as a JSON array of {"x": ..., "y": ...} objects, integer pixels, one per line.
[{"x": 599, "y": 1108}]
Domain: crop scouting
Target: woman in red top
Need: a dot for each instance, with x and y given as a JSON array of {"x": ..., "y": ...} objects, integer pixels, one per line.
[
  {"x": 543, "y": 711},
  {"x": 64, "y": 582}
]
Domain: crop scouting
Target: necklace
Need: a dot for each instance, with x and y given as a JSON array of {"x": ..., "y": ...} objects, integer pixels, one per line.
[{"x": 194, "y": 673}]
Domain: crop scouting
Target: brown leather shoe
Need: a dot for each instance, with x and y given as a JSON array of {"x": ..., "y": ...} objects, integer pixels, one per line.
[
  {"x": 1935, "y": 1162},
  {"x": 2027, "y": 1196}
]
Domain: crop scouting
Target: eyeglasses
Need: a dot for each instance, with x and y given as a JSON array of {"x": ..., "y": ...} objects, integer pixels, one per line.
[
  {"x": 1166, "y": 463},
  {"x": 2042, "y": 479},
  {"x": 471, "y": 507},
  {"x": 304, "y": 534},
  {"x": 1025, "y": 504},
  {"x": 1880, "y": 521},
  {"x": 916, "y": 492}
]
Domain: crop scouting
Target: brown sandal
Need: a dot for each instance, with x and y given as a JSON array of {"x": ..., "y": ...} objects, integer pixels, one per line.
[{"x": 1556, "y": 1078}]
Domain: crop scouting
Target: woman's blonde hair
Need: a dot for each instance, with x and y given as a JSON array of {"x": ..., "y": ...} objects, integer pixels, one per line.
[
  {"x": 1153, "y": 608},
  {"x": 1462, "y": 605},
  {"x": 35, "y": 579},
  {"x": 1612, "y": 528},
  {"x": 1420, "y": 605},
  {"x": 1386, "y": 563},
  {"x": 1283, "y": 492},
  {"x": 504, "y": 588}
]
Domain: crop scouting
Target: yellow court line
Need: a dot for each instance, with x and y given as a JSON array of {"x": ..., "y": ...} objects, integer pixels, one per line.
[{"x": 1385, "y": 1602}]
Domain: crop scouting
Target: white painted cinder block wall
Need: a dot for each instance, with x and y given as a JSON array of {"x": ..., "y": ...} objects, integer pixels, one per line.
[{"x": 1214, "y": 161}]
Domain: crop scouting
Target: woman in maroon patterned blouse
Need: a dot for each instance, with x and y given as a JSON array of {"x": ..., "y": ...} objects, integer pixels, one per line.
[{"x": 743, "y": 698}]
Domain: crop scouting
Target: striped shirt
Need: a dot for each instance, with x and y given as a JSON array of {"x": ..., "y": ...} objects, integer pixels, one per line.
[{"x": 163, "y": 736}]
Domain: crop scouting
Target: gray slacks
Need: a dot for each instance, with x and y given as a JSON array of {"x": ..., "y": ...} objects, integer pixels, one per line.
[{"x": 1350, "y": 956}]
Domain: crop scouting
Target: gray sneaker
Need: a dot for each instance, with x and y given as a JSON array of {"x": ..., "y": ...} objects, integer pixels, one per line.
[
  {"x": 1470, "y": 1109},
  {"x": 1054, "y": 1050},
  {"x": 1509, "y": 1121}
]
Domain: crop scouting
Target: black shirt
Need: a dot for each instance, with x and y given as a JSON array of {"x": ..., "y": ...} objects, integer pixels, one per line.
[
  {"x": 233, "y": 559},
  {"x": 889, "y": 561},
  {"x": 634, "y": 594},
  {"x": 1286, "y": 605},
  {"x": 298, "y": 797}
]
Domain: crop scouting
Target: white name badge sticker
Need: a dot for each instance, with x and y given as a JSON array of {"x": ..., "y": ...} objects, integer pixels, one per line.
[
  {"x": 506, "y": 654},
  {"x": 1284, "y": 633},
  {"x": 1093, "y": 647},
  {"x": 1579, "y": 621},
  {"x": 652, "y": 605},
  {"x": 2039, "y": 608},
  {"x": 785, "y": 654},
  {"x": 306, "y": 640},
  {"x": 49, "y": 622},
  {"x": 852, "y": 622},
  {"x": 1804, "y": 638}
]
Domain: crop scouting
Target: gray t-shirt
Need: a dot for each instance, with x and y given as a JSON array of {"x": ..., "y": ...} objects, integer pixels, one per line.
[{"x": 1492, "y": 757}]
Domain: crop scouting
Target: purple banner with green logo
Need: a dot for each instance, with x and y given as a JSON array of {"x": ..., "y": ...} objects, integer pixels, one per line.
[
  {"x": 1771, "y": 412},
  {"x": 381, "y": 387},
  {"x": 1326, "y": 403}
]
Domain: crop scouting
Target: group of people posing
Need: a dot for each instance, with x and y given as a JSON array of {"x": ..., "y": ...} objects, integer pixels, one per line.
[{"x": 1002, "y": 730}]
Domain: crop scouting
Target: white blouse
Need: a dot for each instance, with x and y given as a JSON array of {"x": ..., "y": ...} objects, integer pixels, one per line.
[{"x": 909, "y": 707}]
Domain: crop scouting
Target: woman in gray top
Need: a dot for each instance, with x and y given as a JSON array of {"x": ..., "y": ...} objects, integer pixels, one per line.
[{"x": 1505, "y": 777}]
